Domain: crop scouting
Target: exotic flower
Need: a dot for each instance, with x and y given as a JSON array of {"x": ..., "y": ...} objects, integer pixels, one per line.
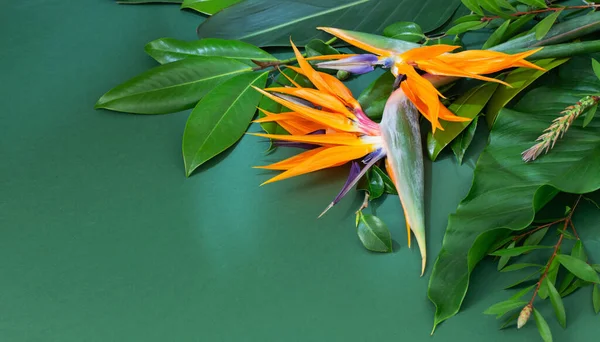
[
  {"x": 331, "y": 125},
  {"x": 404, "y": 59}
]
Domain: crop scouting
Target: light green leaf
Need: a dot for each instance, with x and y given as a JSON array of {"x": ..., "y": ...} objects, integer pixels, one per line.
[
  {"x": 518, "y": 250},
  {"x": 522, "y": 292},
  {"x": 534, "y": 3},
  {"x": 466, "y": 26},
  {"x": 516, "y": 267},
  {"x": 544, "y": 26},
  {"x": 596, "y": 67},
  {"x": 505, "y": 4},
  {"x": 566, "y": 282},
  {"x": 516, "y": 25},
  {"x": 373, "y": 233},
  {"x": 171, "y": 87},
  {"x": 466, "y": 18},
  {"x": 542, "y": 326},
  {"x": 551, "y": 276},
  {"x": 497, "y": 37},
  {"x": 505, "y": 258},
  {"x": 468, "y": 105},
  {"x": 135, "y": 2},
  {"x": 504, "y": 307},
  {"x": 473, "y": 5},
  {"x": 596, "y": 298},
  {"x": 590, "y": 115},
  {"x": 220, "y": 119},
  {"x": 536, "y": 237},
  {"x": 272, "y": 23},
  {"x": 404, "y": 30},
  {"x": 373, "y": 98},
  {"x": 463, "y": 141},
  {"x": 579, "y": 268},
  {"x": 557, "y": 303},
  {"x": 578, "y": 251},
  {"x": 596, "y": 267},
  {"x": 492, "y": 7},
  {"x": 208, "y": 7},
  {"x": 167, "y": 50},
  {"x": 519, "y": 79}
]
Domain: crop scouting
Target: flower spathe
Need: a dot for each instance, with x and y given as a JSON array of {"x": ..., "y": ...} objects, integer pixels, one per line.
[{"x": 435, "y": 60}]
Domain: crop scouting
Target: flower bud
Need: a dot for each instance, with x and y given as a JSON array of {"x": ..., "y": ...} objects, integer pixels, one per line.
[
  {"x": 342, "y": 75},
  {"x": 524, "y": 316}
]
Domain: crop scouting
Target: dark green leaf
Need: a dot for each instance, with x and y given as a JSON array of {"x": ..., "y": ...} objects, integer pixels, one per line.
[
  {"x": 518, "y": 250},
  {"x": 551, "y": 276},
  {"x": 404, "y": 30},
  {"x": 388, "y": 185},
  {"x": 536, "y": 237},
  {"x": 535, "y": 3},
  {"x": 596, "y": 298},
  {"x": 468, "y": 105},
  {"x": 576, "y": 285},
  {"x": 373, "y": 233},
  {"x": 515, "y": 26},
  {"x": 208, "y": 7},
  {"x": 167, "y": 50},
  {"x": 566, "y": 234},
  {"x": 578, "y": 251},
  {"x": 500, "y": 243},
  {"x": 373, "y": 184},
  {"x": 522, "y": 292},
  {"x": 557, "y": 304},
  {"x": 374, "y": 97},
  {"x": 492, "y": 7},
  {"x": 505, "y": 258},
  {"x": 579, "y": 268},
  {"x": 519, "y": 79},
  {"x": 544, "y": 26},
  {"x": 504, "y": 307},
  {"x": 473, "y": 5},
  {"x": 497, "y": 37},
  {"x": 512, "y": 320},
  {"x": 505, "y": 4},
  {"x": 171, "y": 87},
  {"x": 272, "y": 23},
  {"x": 596, "y": 67},
  {"x": 566, "y": 282},
  {"x": 135, "y": 2},
  {"x": 220, "y": 118},
  {"x": 521, "y": 281},
  {"x": 466, "y": 18},
  {"x": 516, "y": 267},
  {"x": 590, "y": 115},
  {"x": 542, "y": 326},
  {"x": 466, "y": 26},
  {"x": 317, "y": 47},
  {"x": 596, "y": 267},
  {"x": 463, "y": 141}
]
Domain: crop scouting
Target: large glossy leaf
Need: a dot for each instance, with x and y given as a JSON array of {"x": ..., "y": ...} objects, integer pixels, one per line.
[
  {"x": 167, "y": 50},
  {"x": 208, "y": 7},
  {"x": 272, "y": 23},
  {"x": 220, "y": 119},
  {"x": 171, "y": 87},
  {"x": 373, "y": 233},
  {"x": 374, "y": 97},
  {"x": 506, "y": 192}
]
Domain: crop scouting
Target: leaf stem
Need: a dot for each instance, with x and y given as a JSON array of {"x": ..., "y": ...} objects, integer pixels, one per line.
[{"x": 549, "y": 9}]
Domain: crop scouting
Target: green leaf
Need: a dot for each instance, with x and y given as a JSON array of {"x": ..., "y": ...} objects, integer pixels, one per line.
[
  {"x": 566, "y": 282},
  {"x": 596, "y": 67},
  {"x": 534, "y": 3},
  {"x": 167, "y": 50},
  {"x": 463, "y": 141},
  {"x": 579, "y": 268},
  {"x": 468, "y": 105},
  {"x": 536, "y": 237},
  {"x": 317, "y": 47},
  {"x": 516, "y": 267},
  {"x": 504, "y": 307},
  {"x": 522, "y": 292},
  {"x": 272, "y": 23},
  {"x": 576, "y": 285},
  {"x": 505, "y": 258},
  {"x": 557, "y": 303},
  {"x": 512, "y": 320},
  {"x": 544, "y": 26},
  {"x": 515, "y": 26},
  {"x": 373, "y": 233},
  {"x": 596, "y": 267},
  {"x": 521, "y": 281},
  {"x": 136, "y": 2},
  {"x": 373, "y": 98},
  {"x": 596, "y": 298},
  {"x": 578, "y": 251},
  {"x": 208, "y": 7},
  {"x": 493, "y": 7},
  {"x": 505, "y": 4},
  {"x": 466, "y": 18},
  {"x": 473, "y": 5},
  {"x": 220, "y": 119},
  {"x": 388, "y": 185},
  {"x": 171, "y": 87},
  {"x": 404, "y": 30},
  {"x": 506, "y": 192},
  {"x": 519, "y": 79},
  {"x": 466, "y": 26},
  {"x": 590, "y": 115},
  {"x": 551, "y": 276},
  {"x": 518, "y": 250},
  {"x": 497, "y": 37},
  {"x": 542, "y": 326},
  {"x": 373, "y": 184}
]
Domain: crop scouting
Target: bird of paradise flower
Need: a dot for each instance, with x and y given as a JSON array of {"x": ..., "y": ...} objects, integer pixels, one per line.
[{"x": 331, "y": 125}]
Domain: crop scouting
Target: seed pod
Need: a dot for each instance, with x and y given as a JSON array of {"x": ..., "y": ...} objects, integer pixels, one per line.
[{"x": 524, "y": 316}]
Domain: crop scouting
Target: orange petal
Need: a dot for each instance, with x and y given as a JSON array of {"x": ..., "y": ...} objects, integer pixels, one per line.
[
  {"x": 447, "y": 115},
  {"x": 329, "y": 157},
  {"x": 438, "y": 67},
  {"x": 426, "y": 52},
  {"x": 353, "y": 41},
  {"x": 292, "y": 161},
  {"x": 289, "y": 79},
  {"x": 318, "y": 139},
  {"x": 291, "y": 122},
  {"x": 308, "y": 71},
  {"x": 316, "y": 97}
]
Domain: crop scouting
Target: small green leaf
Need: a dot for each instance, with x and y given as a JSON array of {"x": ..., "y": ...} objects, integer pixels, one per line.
[
  {"x": 534, "y": 3},
  {"x": 518, "y": 250},
  {"x": 519, "y": 282},
  {"x": 596, "y": 267},
  {"x": 497, "y": 37},
  {"x": 373, "y": 233},
  {"x": 404, "y": 30},
  {"x": 473, "y": 6},
  {"x": 516, "y": 25},
  {"x": 578, "y": 251},
  {"x": 505, "y": 258},
  {"x": 372, "y": 183},
  {"x": 468, "y": 105},
  {"x": 542, "y": 28},
  {"x": 516, "y": 267},
  {"x": 542, "y": 326},
  {"x": 504, "y": 307},
  {"x": 466, "y": 18},
  {"x": 551, "y": 276},
  {"x": 557, "y": 303},
  {"x": 167, "y": 50},
  {"x": 576, "y": 285},
  {"x": 463, "y": 141},
  {"x": 519, "y": 79},
  {"x": 389, "y": 186},
  {"x": 523, "y": 292},
  {"x": 208, "y": 7},
  {"x": 579, "y": 268},
  {"x": 373, "y": 98},
  {"x": 596, "y": 67},
  {"x": 505, "y": 4},
  {"x": 596, "y": 298},
  {"x": 512, "y": 320},
  {"x": 566, "y": 234},
  {"x": 493, "y": 7},
  {"x": 220, "y": 119},
  {"x": 590, "y": 115},
  {"x": 466, "y": 26},
  {"x": 317, "y": 47},
  {"x": 535, "y": 238}
]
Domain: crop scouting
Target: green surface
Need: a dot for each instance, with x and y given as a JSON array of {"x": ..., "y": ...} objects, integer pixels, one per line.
[{"x": 102, "y": 238}]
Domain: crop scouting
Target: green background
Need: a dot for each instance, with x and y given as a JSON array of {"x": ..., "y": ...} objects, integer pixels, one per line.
[{"x": 102, "y": 238}]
